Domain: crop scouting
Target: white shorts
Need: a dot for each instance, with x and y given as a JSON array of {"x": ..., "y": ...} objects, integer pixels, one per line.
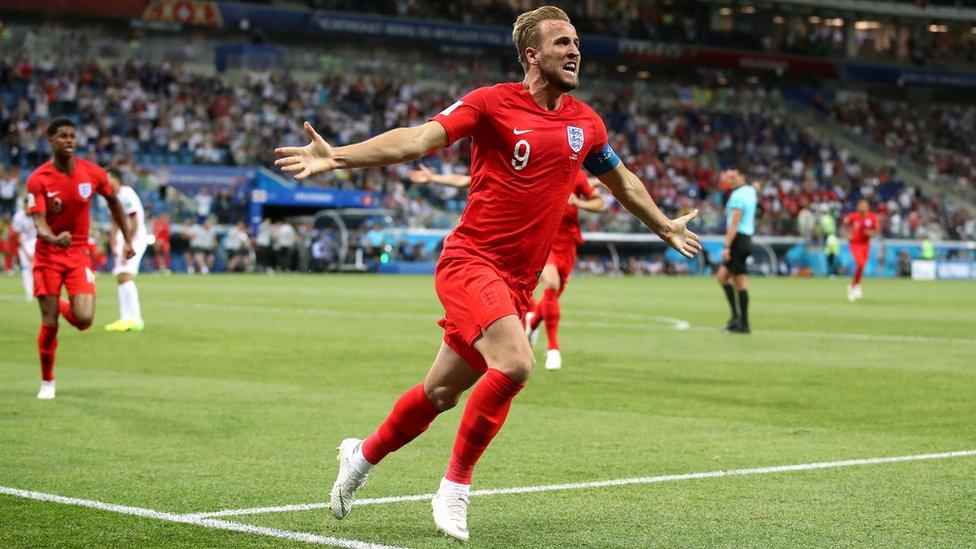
[
  {"x": 131, "y": 265},
  {"x": 25, "y": 262}
]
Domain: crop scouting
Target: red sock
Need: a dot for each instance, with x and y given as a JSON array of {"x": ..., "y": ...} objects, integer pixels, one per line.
[
  {"x": 65, "y": 306},
  {"x": 410, "y": 417},
  {"x": 536, "y": 315},
  {"x": 857, "y": 273},
  {"x": 47, "y": 344},
  {"x": 483, "y": 416},
  {"x": 550, "y": 312}
]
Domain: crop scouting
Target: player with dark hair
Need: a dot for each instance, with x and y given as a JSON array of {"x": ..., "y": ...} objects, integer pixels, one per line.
[
  {"x": 60, "y": 193},
  {"x": 126, "y": 269},
  {"x": 861, "y": 225},
  {"x": 529, "y": 140},
  {"x": 740, "y": 224}
]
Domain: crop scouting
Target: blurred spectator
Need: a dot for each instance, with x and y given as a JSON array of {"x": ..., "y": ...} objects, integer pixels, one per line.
[
  {"x": 284, "y": 241},
  {"x": 8, "y": 192},
  {"x": 237, "y": 244},
  {"x": 203, "y": 242}
]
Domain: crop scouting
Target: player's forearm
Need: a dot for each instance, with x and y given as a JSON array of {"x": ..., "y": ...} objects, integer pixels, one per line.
[
  {"x": 595, "y": 204},
  {"x": 458, "y": 181},
  {"x": 119, "y": 218},
  {"x": 730, "y": 233},
  {"x": 392, "y": 147},
  {"x": 635, "y": 198},
  {"x": 44, "y": 231}
]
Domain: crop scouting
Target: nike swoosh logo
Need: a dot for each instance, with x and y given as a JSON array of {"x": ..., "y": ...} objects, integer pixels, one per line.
[
  {"x": 520, "y": 132},
  {"x": 56, "y": 193}
]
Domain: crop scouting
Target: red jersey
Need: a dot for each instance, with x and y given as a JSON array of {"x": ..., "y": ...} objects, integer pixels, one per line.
[
  {"x": 65, "y": 200},
  {"x": 161, "y": 230},
  {"x": 569, "y": 235},
  {"x": 860, "y": 225},
  {"x": 524, "y": 163}
]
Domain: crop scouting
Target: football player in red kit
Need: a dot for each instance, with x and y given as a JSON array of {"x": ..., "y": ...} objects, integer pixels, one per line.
[
  {"x": 862, "y": 225},
  {"x": 529, "y": 140},
  {"x": 60, "y": 193},
  {"x": 562, "y": 256}
]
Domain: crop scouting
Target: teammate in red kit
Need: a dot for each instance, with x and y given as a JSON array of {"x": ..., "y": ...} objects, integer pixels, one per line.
[
  {"x": 59, "y": 199},
  {"x": 161, "y": 246},
  {"x": 559, "y": 265},
  {"x": 862, "y": 225},
  {"x": 529, "y": 140},
  {"x": 561, "y": 261}
]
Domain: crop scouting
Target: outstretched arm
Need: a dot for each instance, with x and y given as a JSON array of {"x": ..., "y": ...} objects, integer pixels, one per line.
[
  {"x": 423, "y": 175},
  {"x": 630, "y": 192},
  {"x": 392, "y": 147}
]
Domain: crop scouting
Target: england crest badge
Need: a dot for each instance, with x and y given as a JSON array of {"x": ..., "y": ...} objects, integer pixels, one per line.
[
  {"x": 575, "y": 136},
  {"x": 85, "y": 190}
]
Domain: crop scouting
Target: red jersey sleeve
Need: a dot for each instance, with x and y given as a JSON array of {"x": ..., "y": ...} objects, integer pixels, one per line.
[
  {"x": 101, "y": 182},
  {"x": 36, "y": 201},
  {"x": 461, "y": 118},
  {"x": 601, "y": 139}
]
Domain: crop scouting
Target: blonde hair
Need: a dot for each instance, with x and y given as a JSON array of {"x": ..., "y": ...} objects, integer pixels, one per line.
[{"x": 525, "y": 31}]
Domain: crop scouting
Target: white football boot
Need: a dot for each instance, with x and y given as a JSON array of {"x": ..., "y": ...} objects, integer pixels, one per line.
[
  {"x": 46, "y": 392},
  {"x": 450, "y": 508},
  {"x": 554, "y": 360},
  {"x": 349, "y": 480},
  {"x": 851, "y": 296},
  {"x": 858, "y": 294}
]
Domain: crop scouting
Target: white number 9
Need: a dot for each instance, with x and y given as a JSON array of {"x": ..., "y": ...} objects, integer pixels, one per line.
[{"x": 520, "y": 159}]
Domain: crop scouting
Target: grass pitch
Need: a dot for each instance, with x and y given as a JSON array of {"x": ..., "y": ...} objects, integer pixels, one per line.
[{"x": 240, "y": 388}]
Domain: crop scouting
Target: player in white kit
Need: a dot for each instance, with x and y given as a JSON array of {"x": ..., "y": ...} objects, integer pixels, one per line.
[
  {"x": 125, "y": 270},
  {"x": 23, "y": 225}
]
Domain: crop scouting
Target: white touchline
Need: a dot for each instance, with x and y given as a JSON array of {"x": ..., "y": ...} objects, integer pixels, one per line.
[
  {"x": 197, "y": 521},
  {"x": 601, "y": 483}
]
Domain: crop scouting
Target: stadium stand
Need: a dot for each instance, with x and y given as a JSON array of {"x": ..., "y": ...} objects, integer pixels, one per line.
[{"x": 146, "y": 98}]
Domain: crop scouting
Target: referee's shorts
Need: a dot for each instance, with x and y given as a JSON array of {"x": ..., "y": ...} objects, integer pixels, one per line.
[{"x": 739, "y": 253}]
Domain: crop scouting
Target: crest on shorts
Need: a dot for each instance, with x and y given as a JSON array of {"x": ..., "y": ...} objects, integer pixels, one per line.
[
  {"x": 85, "y": 190},
  {"x": 575, "y": 136}
]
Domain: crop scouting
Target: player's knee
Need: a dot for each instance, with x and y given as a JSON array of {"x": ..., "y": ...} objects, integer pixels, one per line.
[
  {"x": 551, "y": 284},
  {"x": 83, "y": 321},
  {"x": 443, "y": 397},
  {"x": 517, "y": 365}
]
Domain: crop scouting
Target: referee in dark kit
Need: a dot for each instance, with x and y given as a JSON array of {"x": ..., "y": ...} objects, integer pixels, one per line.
[{"x": 740, "y": 224}]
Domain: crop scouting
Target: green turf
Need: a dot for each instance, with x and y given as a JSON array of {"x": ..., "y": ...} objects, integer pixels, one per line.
[{"x": 241, "y": 386}]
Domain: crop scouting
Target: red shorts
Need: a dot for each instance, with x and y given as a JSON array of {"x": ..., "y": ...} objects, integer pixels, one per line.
[
  {"x": 71, "y": 269},
  {"x": 474, "y": 296},
  {"x": 860, "y": 252},
  {"x": 565, "y": 261}
]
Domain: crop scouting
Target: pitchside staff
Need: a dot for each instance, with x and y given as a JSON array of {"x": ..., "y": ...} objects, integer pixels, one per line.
[{"x": 740, "y": 224}]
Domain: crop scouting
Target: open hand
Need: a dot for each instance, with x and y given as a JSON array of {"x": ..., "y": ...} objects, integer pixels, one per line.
[
  {"x": 421, "y": 175},
  {"x": 681, "y": 238},
  {"x": 316, "y": 157}
]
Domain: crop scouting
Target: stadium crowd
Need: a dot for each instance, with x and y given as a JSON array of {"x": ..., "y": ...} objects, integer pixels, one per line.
[
  {"x": 677, "y": 136},
  {"x": 743, "y": 26},
  {"x": 935, "y": 136}
]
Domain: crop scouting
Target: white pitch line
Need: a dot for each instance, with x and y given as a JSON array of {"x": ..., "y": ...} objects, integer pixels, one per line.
[
  {"x": 676, "y": 323},
  {"x": 197, "y": 521},
  {"x": 601, "y": 483}
]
